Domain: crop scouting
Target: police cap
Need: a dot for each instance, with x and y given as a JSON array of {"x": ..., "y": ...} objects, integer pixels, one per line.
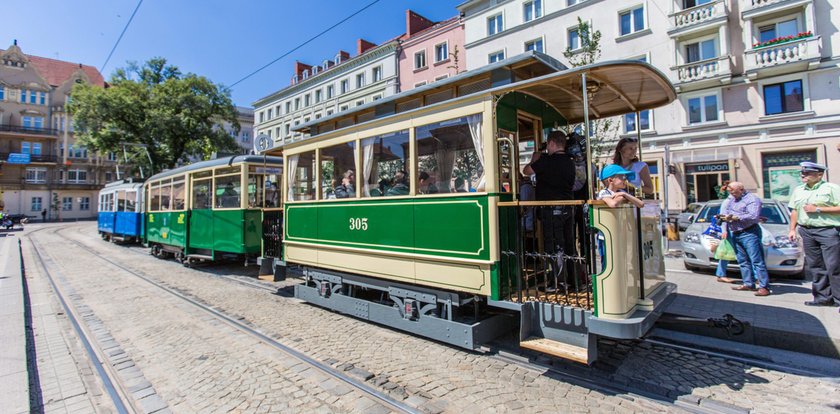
[{"x": 808, "y": 166}]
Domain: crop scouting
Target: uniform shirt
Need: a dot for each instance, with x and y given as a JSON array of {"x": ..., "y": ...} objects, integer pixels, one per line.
[
  {"x": 555, "y": 176},
  {"x": 747, "y": 209},
  {"x": 823, "y": 194}
]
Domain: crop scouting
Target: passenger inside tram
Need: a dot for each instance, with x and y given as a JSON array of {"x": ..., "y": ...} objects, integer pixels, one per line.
[
  {"x": 400, "y": 185},
  {"x": 347, "y": 187},
  {"x": 426, "y": 183}
]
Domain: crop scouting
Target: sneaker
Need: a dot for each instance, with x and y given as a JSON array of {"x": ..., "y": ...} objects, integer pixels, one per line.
[
  {"x": 829, "y": 302},
  {"x": 763, "y": 292},
  {"x": 724, "y": 279},
  {"x": 743, "y": 287}
]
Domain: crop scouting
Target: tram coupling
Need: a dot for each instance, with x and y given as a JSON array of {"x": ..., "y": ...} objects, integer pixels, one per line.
[{"x": 728, "y": 323}]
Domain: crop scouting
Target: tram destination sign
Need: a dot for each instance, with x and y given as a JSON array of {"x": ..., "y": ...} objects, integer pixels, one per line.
[{"x": 707, "y": 168}]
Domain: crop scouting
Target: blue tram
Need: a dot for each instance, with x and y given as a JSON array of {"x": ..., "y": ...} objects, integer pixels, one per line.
[{"x": 121, "y": 211}]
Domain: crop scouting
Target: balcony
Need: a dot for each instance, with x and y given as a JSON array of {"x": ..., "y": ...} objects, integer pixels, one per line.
[
  {"x": 758, "y": 8},
  {"x": 698, "y": 17},
  {"x": 703, "y": 73},
  {"x": 793, "y": 56},
  {"x": 29, "y": 130}
]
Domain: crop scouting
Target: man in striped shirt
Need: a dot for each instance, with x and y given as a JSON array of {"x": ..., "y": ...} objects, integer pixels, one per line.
[{"x": 741, "y": 215}]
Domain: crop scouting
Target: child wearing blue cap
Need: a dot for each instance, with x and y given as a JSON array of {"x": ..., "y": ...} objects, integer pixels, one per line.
[{"x": 615, "y": 180}]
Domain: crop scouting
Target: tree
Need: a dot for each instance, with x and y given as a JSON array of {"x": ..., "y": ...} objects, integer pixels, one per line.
[
  {"x": 603, "y": 132},
  {"x": 154, "y": 108}
]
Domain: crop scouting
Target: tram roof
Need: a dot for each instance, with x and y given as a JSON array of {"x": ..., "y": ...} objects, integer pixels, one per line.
[
  {"x": 616, "y": 88},
  {"x": 236, "y": 159}
]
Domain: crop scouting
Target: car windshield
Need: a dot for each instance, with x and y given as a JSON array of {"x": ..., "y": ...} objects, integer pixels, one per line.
[
  {"x": 694, "y": 208},
  {"x": 770, "y": 212}
]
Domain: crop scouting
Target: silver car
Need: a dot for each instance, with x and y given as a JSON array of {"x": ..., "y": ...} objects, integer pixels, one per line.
[
  {"x": 782, "y": 256},
  {"x": 687, "y": 216}
]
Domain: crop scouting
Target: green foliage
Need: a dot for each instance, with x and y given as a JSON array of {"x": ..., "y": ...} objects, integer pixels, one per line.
[{"x": 154, "y": 108}]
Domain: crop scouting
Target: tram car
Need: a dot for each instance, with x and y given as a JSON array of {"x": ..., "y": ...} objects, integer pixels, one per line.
[
  {"x": 120, "y": 216},
  {"x": 406, "y": 211},
  {"x": 212, "y": 209}
]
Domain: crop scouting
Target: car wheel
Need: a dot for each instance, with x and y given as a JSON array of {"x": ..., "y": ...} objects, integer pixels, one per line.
[{"x": 691, "y": 267}]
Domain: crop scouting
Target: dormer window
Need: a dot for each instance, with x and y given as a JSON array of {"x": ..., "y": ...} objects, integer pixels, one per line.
[
  {"x": 306, "y": 73},
  {"x": 338, "y": 59}
]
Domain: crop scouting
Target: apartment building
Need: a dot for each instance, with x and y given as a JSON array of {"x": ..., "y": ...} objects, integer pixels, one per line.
[
  {"x": 432, "y": 54},
  {"x": 245, "y": 137},
  {"x": 41, "y": 164},
  {"x": 757, "y": 80}
]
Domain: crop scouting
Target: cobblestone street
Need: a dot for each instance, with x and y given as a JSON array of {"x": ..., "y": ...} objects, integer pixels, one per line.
[{"x": 196, "y": 363}]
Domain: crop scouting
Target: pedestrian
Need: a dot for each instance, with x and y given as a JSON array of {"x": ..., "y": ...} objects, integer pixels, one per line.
[
  {"x": 815, "y": 209},
  {"x": 720, "y": 271},
  {"x": 44, "y": 215},
  {"x": 555, "y": 174},
  {"x": 741, "y": 216},
  {"x": 627, "y": 157}
]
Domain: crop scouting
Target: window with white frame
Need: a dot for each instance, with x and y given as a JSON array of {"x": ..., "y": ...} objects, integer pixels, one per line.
[
  {"x": 786, "y": 26},
  {"x": 108, "y": 176},
  {"x": 701, "y": 50},
  {"x": 441, "y": 52},
  {"x": 288, "y": 107},
  {"x": 84, "y": 205},
  {"x": 703, "y": 109},
  {"x": 360, "y": 102},
  {"x": 77, "y": 151},
  {"x": 318, "y": 96},
  {"x": 111, "y": 156},
  {"x": 330, "y": 91},
  {"x": 262, "y": 116},
  {"x": 536, "y": 45},
  {"x": 277, "y": 110},
  {"x": 67, "y": 203},
  {"x": 419, "y": 84},
  {"x": 297, "y": 104},
  {"x": 574, "y": 40},
  {"x": 288, "y": 128},
  {"x": 644, "y": 122},
  {"x": 687, "y": 4},
  {"x": 307, "y": 100},
  {"x": 2, "y": 92},
  {"x": 495, "y": 24},
  {"x": 532, "y": 10},
  {"x": 360, "y": 80},
  {"x": 376, "y": 74},
  {"x": 23, "y": 96},
  {"x": 33, "y": 97},
  {"x": 496, "y": 56},
  {"x": 631, "y": 21},
  {"x": 377, "y": 97},
  {"x": 33, "y": 148},
  {"x": 37, "y": 204},
  {"x": 270, "y": 113},
  {"x": 442, "y": 77},
  {"x": 42, "y": 98},
  {"x": 345, "y": 86},
  {"x": 343, "y": 108},
  {"x": 784, "y": 97},
  {"x": 36, "y": 122},
  {"x": 420, "y": 59},
  {"x": 77, "y": 176},
  {"x": 36, "y": 175}
]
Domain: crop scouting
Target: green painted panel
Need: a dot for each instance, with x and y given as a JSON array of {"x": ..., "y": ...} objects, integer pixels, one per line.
[
  {"x": 253, "y": 231},
  {"x": 201, "y": 229},
  {"x": 167, "y": 228},
  {"x": 228, "y": 231},
  {"x": 449, "y": 227}
]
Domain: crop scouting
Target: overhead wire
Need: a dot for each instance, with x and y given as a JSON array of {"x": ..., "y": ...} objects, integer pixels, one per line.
[
  {"x": 305, "y": 43},
  {"x": 128, "y": 23}
]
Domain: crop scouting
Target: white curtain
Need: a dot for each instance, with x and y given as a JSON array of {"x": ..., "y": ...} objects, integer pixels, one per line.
[
  {"x": 292, "y": 175},
  {"x": 445, "y": 159},
  {"x": 367, "y": 159},
  {"x": 474, "y": 122}
]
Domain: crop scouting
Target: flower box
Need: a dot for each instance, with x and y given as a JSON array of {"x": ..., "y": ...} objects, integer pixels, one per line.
[{"x": 780, "y": 40}]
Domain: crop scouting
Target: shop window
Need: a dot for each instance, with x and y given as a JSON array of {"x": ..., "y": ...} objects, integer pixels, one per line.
[
  {"x": 383, "y": 157},
  {"x": 302, "y": 177},
  {"x": 450, "y": 156},
  {"x": 338, "y": 162},
  {"x": 780, "y": 172},
  {"x": 783, "y": 97}
]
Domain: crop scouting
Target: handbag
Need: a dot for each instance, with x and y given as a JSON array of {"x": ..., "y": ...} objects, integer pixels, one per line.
[{"x": 725, "y": 251}]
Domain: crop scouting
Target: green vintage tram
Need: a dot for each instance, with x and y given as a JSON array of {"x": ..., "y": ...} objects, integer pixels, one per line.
[
  {"x": 406, "y": 211},
  {"x": 212, "y": 209}
]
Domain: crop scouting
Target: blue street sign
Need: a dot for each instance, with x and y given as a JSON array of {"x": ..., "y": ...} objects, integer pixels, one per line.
[{"x": 17, "y": 158}]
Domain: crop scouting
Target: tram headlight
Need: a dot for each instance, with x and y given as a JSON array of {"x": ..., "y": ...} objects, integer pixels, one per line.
[{"x": 692, "y": 238}]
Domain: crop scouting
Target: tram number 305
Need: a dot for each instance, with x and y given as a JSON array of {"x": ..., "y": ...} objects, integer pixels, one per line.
[{"x": 357, "y": 223}]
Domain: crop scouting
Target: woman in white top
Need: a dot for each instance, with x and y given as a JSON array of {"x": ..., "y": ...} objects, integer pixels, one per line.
[{"x": 627, "y": 157}]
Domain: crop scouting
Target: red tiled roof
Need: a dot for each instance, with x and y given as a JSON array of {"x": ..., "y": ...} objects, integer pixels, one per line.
[{"x": 56, "y": 72}]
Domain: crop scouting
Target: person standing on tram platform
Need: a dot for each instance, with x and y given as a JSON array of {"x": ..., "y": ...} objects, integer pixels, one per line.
[
  {"x": 627, "y": 157},
  {"x": 742, "y": 215},
  {"x": 815, "y": 209},
  {"x": 555, "y": 174}
]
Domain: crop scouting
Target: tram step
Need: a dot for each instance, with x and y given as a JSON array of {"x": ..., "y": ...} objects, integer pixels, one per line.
[
  {"x": 200, "y": 256},
  {"x": 558, "y": 349}
]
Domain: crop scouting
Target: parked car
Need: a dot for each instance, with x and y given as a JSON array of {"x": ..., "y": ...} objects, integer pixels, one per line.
[
  {"x": 782, "y": 256},
  {"x": 687, "y": 216}
]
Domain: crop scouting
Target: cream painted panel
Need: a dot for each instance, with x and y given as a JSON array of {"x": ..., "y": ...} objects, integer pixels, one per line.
[
  {"x": 618, "y": 285},
  {"x": 472, "y": 278},
  {"x": 367, "y": 264},
  {"x": 301, "y": 255}
]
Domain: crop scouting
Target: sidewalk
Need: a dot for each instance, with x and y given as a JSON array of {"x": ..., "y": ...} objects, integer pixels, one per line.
[
  {"x": 780, "y": 320},
  {"x": 14, "y": 378}
]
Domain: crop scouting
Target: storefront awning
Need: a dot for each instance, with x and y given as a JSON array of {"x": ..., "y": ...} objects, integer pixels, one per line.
[{"x": 705, "y": 155}]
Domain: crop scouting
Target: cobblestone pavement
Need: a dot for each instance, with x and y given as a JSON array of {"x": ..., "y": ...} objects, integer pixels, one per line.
[
  {"x": 195, "y": 362},
  {"x": 440, "y": 378}
]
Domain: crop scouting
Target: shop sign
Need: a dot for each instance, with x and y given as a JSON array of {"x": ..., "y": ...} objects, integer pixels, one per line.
[
  {"x": 788, "y": 159},
  {"x": 707, "y": 168},
  {"x": 18, "y": 158}
]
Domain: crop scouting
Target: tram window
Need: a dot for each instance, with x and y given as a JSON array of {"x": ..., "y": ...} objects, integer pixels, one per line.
[
  {"x": 337, "y": 163},
  {"x": 302, "y": 176},
  {"x": 131, "y": 201},
  {"x": 385, "y": 156},
  {"x": 178, "y": 192},
  {"x": 201, "y": 197},
  {"x": 255, "y": 190},
  {"x": 228, "y": 190},
  {"x": 166, "y": 197},
  {"x": 120, "y": 200},
  {"x": 155, "y": 204},
  {"x": 227, "y": 170},
  {"x": 452, "y": 154}
]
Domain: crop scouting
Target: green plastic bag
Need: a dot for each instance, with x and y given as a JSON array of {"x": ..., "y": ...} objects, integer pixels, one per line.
[{"x": 725, "y": 251}]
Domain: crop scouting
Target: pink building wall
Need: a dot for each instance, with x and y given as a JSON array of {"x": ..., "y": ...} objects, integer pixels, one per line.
[{"x": 450, "y": 31}]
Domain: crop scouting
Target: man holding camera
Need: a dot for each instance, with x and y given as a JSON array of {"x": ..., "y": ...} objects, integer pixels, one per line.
[
  {"x": 815, "y": 209},
  {"x": 741, "y": 214}
]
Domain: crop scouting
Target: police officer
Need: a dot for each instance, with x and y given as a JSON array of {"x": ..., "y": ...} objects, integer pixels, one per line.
[{"x": 815, "y": 208}]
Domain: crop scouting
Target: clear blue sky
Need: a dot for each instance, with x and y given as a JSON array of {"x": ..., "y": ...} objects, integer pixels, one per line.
[{"x": 223, "y": 40}]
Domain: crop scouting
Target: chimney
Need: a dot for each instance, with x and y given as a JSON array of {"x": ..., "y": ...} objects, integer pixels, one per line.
[
  {"x": 363, "y": 46},
  {"x": 415, "y": 23},
  {"x": 300, "y": 67}
]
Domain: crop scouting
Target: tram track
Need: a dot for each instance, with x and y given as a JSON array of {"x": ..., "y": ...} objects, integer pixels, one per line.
[{"x": 365, "y": 389}]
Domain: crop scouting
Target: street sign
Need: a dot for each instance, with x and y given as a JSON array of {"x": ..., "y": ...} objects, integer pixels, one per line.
[
  {"x": 262, "y": 143},
  {"x": 18, "y": 158}
]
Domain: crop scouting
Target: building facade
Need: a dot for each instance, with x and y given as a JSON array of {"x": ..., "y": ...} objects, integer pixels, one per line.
[
  {"x": 432, "y": 54},
  {"x": 245, "y": 137},
  {"x": 41, "y": 165},
  {"x": 757, "y": 80}
]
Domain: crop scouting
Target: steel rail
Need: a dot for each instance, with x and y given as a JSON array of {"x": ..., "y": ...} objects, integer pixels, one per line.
[
  {"x": 118, "y": 397},
  {"x": 386, "y": 400}
]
